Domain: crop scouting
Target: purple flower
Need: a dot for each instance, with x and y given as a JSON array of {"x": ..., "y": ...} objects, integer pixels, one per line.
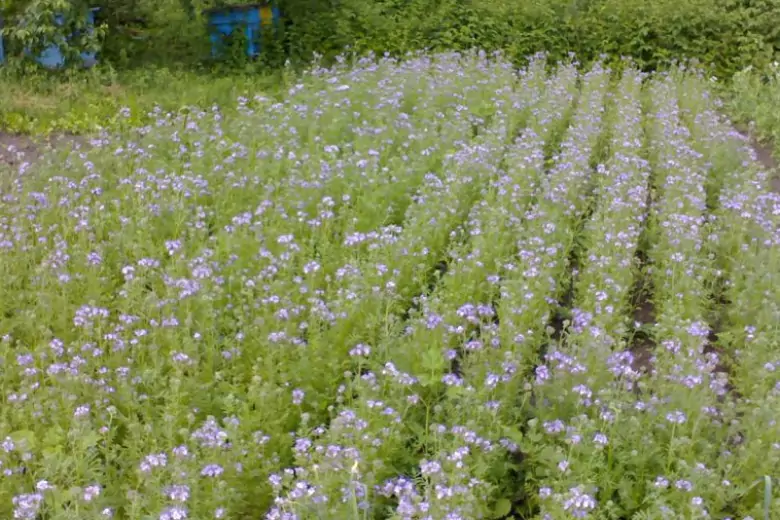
[
  {"x": 553, "y": 427},
  {"x": 43, "y": 485},
  {"x": 661, "y": 482},
  {"x": 276, "y": 481},
  {"x": 542, "y": 374},
  {"x": 174, "y": 513},
  {"x": 26, "y": 506},
  {"x": 177, "y": 492},
  {"x": 452, "y": 380},
  {"x": 94, "y": 258},
  {"x": 311, "y": 267},
  {"x": 172, "y": 246},
  {"x": 578, "y": 503},
  {"x": 210, "y": 435},
  {"x": 699, "y": 329},
  {"x": 181, "y": 451},
  {"x": 90, "y": 492},
  {"x": 429, "y": 468},
  {"x": 153, "y": 461},
  {"x": 683, "y": 485},
  {"x": 212, "y": 470},
  {"x": 433, "y": 320},
  {"x": 360, "y": 350}
]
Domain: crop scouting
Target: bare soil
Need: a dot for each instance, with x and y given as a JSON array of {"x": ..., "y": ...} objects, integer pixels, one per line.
[
  {"x": 643, "y": 346},
  {"x": 765, "y": 156},
  {"x": 17, "y": 149}
]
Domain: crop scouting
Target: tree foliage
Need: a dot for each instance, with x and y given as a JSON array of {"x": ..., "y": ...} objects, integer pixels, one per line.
[
  {"x": 31, "y": 26},
  {"x": 726, "y": 35}
]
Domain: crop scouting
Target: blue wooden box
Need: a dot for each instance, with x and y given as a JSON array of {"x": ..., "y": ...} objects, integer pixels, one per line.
[
  {"x": 2, "y": 49},
  {"x": 52, "y": 57},
  {"x": 249, "y": 19}
]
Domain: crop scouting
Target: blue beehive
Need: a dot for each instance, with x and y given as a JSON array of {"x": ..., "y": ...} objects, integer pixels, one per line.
[
  {"x": 2, "y": 49},
  {"x": 249, "y": 19},
  {"x": 52, "y": 57}
]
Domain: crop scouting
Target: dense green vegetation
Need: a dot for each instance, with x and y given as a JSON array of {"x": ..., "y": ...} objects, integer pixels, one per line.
[
  {"x": 379, "y": 274},
  {"x": 81, "y": 102},
  {"x": 157, "y": 52},
  {"x": 437, "y": 288},
  {"x": 725, "y": 35},
  {"x": 754, "y": 100}
]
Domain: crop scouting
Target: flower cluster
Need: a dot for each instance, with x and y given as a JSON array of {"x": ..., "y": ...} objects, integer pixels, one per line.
[{"x": 435, "y": 287}]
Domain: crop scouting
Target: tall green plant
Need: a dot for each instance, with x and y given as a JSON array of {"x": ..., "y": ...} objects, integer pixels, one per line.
[{"x": 31, "y": 26}]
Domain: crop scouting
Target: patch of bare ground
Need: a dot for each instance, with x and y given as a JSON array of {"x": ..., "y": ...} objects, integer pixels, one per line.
[
  {"x": 765, "y": 155},
  {"x": 643, "y": 344},
  {"x": 17, "y": 149}
]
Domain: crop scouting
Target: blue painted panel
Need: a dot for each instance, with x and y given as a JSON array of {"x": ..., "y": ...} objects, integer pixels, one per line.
[
  {"x": 2, "y": 49},
  {"x": 248, "y": 19},
  {"x": 52, "y": 57}
]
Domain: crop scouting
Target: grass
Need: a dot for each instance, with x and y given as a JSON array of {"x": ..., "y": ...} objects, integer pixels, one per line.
[
  {"x": 753, "y": 97},
  {"x": 81, "y": 102},
  {"x": 405, "y": 292}
]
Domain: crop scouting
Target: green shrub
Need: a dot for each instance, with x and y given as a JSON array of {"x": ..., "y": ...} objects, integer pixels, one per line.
[
  {"x": 753, "y": 99},
  {"x": 31, "y": 26},
  {"x": 725, "y": 35}
]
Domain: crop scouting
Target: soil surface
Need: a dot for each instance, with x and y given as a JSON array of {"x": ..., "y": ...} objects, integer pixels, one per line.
[
  {"x": 767, "y": 159},
  {"x": 17, "y": 149}
]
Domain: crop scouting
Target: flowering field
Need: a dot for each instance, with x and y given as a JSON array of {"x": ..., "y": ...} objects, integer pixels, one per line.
[{"x": 439, "y": 288}]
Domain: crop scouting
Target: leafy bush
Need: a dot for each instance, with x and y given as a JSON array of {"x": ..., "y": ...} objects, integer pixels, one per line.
[
  {"x": 726, "y": 35},
  {"x": 754, "y": 98},
  {"x": 34, "y": 25}
]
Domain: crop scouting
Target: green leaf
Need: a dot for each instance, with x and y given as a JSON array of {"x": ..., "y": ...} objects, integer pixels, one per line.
[
  {"x": 52, "y": 452},
  {"x": 24, "y": 436},
  {"x": 514, "y": 434},
  {"x": 503, "y": 508},
  {"x": 89, "y": 440}
]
